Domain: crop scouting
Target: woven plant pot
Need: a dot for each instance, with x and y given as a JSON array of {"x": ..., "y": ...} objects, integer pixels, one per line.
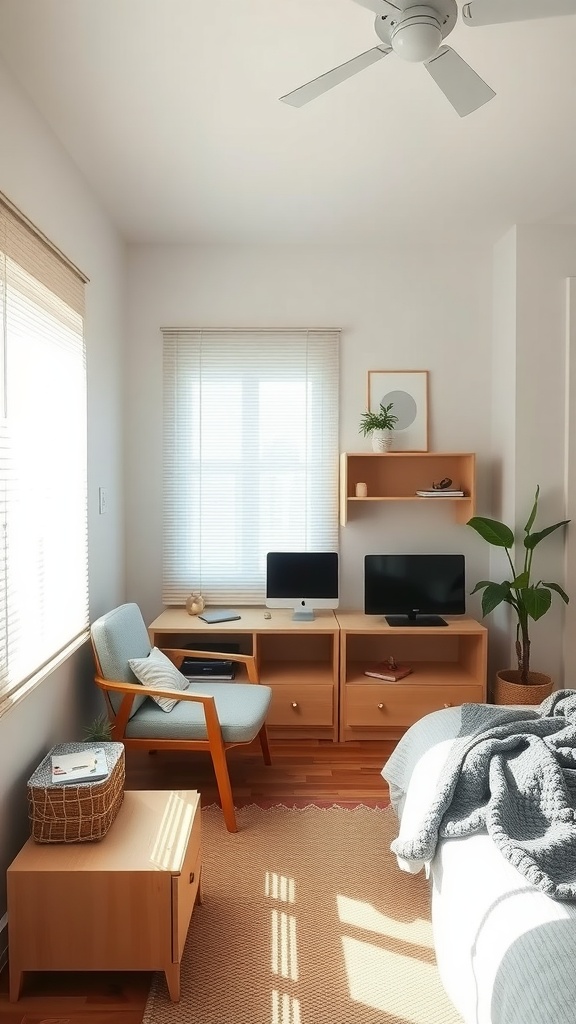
[
  {"x": 382, "y": 440},
  {"x": 507, "y": 688}
]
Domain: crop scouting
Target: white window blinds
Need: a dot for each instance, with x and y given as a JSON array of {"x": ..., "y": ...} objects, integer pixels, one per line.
[
  {"x": 250, "y": 456},
  {"x": 43, "y": 507}
]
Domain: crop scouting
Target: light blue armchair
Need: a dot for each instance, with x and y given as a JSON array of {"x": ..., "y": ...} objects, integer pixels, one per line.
[{"x": 207, "y": 715}]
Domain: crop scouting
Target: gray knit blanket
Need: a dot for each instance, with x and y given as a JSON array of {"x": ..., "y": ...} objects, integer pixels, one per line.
[{"x": 514, "y": 776}]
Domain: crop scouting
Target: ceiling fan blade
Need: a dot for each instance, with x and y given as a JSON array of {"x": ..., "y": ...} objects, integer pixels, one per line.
[
  {"x": 465, "y": 90},
  {"x": 317, "y": 86},
  {"x": 499, "y": 12},
  {"x": 379, "y": 6}
]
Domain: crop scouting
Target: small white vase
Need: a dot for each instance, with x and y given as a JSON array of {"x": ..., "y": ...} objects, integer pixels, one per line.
[
  {"x": 381, "y": 440},
  {"x": 195, "y": 603}
]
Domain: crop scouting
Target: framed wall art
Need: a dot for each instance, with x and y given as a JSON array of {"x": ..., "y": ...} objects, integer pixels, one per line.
[{"x": 408, "y": 391}]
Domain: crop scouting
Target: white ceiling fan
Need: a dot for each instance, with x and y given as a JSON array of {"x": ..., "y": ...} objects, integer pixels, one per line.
[{"x": 415, "y": 32}]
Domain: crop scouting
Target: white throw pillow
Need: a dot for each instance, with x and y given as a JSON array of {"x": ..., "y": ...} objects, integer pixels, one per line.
[{"x": 158, "y": 670}]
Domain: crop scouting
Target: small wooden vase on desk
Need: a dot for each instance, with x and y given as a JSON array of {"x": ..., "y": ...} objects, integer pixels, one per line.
[{"x": 507, "y": 688}]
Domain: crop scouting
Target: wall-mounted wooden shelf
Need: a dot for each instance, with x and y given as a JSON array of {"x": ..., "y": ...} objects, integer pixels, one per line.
[{"x": 396, "y": 476}]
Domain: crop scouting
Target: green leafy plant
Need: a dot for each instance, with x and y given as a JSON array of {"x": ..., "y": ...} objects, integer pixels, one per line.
[
  {"x": 99, "y": 730},
  {"x": 529, "y": 600},
  {"x": 382, "y": 420}
]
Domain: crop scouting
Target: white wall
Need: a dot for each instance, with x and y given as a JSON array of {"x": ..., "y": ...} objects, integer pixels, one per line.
[
  {"x": 37, "y": 175},
  {"x": 413, "y": 308},
  {"x": 503, "y": 409},
  {"x": 531, "y": 417},
  {"x": 546, "y": 258}
]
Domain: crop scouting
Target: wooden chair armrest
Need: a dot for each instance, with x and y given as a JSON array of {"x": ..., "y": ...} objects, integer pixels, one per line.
[
  {"x": 130, "y": 690},
  {"x": 152, "y": 691}
]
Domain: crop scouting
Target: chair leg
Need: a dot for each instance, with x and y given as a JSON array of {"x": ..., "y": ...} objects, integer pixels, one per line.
[
  {"x": 263, "y": 737},
  {"x": 218, "y": 754},
  {"x": 224, "y": 788}
]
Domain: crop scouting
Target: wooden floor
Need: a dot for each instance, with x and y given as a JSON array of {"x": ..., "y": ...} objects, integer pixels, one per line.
[{"x": 301, "y": 771}]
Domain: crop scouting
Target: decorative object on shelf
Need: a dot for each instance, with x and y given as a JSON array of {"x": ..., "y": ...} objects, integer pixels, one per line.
[
  {"x": 529, "y": 601},
  {"x": 442, "y": 485},
  {"x": 379, "y": 425},
  {"x": 435, "y": 492},
  {"x": 195, "y": 603},
  {"x": 407, "y": 390},
  {"x": 390, "y": 671},
  {"x": 361, "y": 490}
]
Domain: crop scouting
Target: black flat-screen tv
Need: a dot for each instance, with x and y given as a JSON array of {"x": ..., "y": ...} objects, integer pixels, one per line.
[{"x": 414, "y": 590}]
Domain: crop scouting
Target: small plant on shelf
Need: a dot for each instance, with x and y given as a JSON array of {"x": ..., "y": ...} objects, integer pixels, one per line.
[
  {"x": 379, "y": 425},
  {"x": 383, "y": 420}
]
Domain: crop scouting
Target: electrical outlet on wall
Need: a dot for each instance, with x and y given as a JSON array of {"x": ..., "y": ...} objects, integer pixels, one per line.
[{"x": 102, "y": 500}]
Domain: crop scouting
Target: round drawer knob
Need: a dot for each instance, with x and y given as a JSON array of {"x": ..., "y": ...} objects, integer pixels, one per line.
[
  {"x": 294, "y": 703},
  {"x": 448, "y": 705},
  {"x": 380, "y": 706}
]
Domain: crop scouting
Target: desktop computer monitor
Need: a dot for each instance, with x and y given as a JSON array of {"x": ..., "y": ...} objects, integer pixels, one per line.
[{"x": 302, "y": 580}]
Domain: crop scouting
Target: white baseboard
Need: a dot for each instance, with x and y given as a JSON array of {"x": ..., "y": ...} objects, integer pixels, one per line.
[{"x": 3, "y": 941}]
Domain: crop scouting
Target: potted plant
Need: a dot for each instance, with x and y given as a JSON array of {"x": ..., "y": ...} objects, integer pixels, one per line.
[
  {"x": 528, "y": 599},
  {"x": 98, "y": 731},
  {"x": 380, "y": 426}
]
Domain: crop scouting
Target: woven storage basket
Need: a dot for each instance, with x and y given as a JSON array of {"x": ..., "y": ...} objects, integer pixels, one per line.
[
  {"x": 76, "y": 812},
  {"x": 507, "y": 688}
]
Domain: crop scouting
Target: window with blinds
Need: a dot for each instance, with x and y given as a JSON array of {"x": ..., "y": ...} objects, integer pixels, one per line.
[
  {"x": 43, "y": 492},
  {"x": 250, "y": 456}
]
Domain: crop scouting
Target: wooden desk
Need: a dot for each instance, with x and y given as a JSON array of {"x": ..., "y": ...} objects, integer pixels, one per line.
[
  {"x": 449, "y": 667},
  {"x": 316, "y": 669},
  {"x": 122, "y": 904},
  {"x": 298, "y": 660}
]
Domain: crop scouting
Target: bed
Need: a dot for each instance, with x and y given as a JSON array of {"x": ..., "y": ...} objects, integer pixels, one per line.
[{"x": 506, "y": 951}]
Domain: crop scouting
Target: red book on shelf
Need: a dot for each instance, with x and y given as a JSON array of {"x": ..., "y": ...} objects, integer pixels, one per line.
[{"x": 391, "y": 673}]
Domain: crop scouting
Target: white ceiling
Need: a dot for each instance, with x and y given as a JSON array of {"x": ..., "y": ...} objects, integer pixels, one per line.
[{"x": 170, "y": 109}]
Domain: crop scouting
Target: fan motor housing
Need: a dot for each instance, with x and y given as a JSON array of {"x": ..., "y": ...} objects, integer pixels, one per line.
[{"x": 417, "y": 32}]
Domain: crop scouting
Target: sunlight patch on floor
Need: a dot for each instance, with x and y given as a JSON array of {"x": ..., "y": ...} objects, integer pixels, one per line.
[
  {"x": 285, "y": 1009},
  {"x": 364, "y": 915},
  {"x": 279, "y": 887},
  {"x": 283, "y": 945},
  {"x": 400, "y": 986}
]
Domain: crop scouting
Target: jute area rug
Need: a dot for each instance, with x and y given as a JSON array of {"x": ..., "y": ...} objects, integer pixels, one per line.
[{"x": 306, "y": 919}]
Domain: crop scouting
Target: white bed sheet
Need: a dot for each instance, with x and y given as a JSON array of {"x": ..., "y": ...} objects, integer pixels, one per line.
[{"x": 506, "y": 952}]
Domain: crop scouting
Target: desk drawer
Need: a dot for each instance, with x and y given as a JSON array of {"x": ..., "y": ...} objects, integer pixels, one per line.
[
  {"x": 301, "y": 704},
  {"x": 392, "y": 704}
]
